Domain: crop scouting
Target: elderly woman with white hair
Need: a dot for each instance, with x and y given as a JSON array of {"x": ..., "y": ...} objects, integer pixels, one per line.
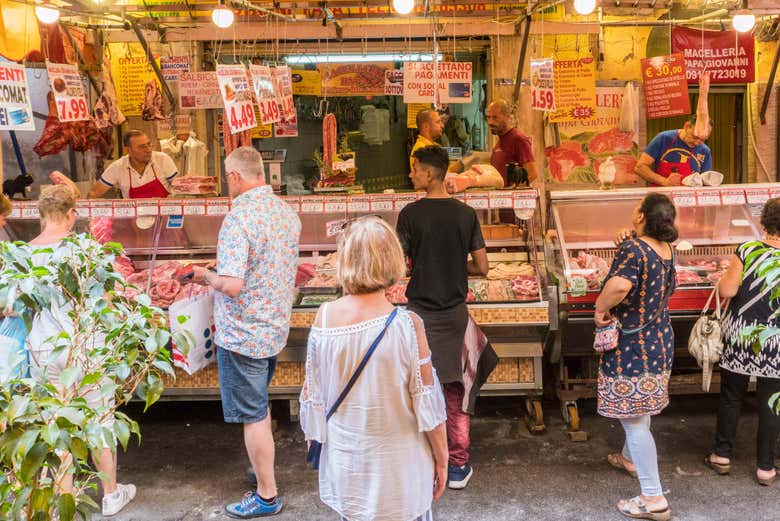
[{"x": 384, "y": 448}]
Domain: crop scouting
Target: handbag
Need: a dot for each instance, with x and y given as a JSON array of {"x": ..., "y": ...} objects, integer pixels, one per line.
[
  {"x": 315, "y": 447},
  {"x": 706, "y": 341},
  {"x": 606, "y": 337}
]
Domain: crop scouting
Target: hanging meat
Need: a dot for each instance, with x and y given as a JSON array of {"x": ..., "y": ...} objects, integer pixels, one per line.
[
  {"x": 233, "y": 141},
  {"x": 81, "y": 135},
  {"x": 152, "y": 108},
  {"x": 329, "y": 140}
]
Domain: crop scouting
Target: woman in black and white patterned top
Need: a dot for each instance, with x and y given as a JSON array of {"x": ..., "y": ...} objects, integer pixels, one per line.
[{"x": 751, "y": 304}]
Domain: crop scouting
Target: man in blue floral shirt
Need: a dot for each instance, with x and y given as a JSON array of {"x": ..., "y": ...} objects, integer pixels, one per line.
[{"x": 257, "y": 257}]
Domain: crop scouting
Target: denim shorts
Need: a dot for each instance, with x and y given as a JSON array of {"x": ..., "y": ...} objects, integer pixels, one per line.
[{"x": 243, "y": 384}]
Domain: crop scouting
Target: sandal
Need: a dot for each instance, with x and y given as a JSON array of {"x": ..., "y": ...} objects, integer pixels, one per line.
[
  {"x": 719, "y": 468},
  {"x": 767, "y": 482},
  {"x": 635, "y": 508},
  {"x": 618, "y": 461}
]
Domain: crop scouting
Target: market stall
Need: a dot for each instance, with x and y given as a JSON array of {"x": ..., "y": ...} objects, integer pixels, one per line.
[
  {"x": 582, "y": 226},
  {"x": 513, "y": 304}
]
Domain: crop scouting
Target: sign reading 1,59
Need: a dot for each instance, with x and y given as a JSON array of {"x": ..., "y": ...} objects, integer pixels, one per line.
[
  {"x": 73, "y": 109},
  {"x": 242, "y": 116},
  {"x": 542, "y": 99}
]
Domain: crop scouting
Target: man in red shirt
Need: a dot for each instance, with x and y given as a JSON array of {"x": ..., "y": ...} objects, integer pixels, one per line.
[{"x": 513, "y": 146}]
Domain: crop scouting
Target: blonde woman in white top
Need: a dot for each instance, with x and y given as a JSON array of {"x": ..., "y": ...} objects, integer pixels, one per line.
[{"x": 384, "y": 454}]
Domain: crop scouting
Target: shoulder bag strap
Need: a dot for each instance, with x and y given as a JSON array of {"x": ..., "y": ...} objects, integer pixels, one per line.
[
  {"x": 361, "y": 366},
  {"x": 663, "y": 303}
]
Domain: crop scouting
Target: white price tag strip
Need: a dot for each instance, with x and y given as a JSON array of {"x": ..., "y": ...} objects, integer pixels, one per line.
[
  {"x": 99, "y": 210},
  {"x": 501, "y": 200},
  {"x": 358, "y": 204},
  {"x": 171, "y": 207},
  {"x": 478, "y": 201},
  {"x": 524, "y": 201},
  {"x": 684, "y": 199},
  {"x": 144, "y": 209},
  {"x": 294, "y": 201},
  {"x": 708, "y": 198},
  {"x": 401, "y": 201},
  {"x": 382, "y": 203},
  {"x": 336, "y": 204},
  {"x": 312, "y": 205},
  {"x": 757, "y": 196},
  {"x": 733, "y": 197},
  {"x": 194, "y": 209},
  {"x": 30, "y": 212}
]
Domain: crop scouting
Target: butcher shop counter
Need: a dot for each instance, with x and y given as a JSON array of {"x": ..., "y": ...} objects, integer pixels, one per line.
[
  {"x": 514, "y": 304},
  {"x": 582, "y": 225}
]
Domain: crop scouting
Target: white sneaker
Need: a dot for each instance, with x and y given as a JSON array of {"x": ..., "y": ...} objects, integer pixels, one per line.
[{"x": 113, "y": 503}]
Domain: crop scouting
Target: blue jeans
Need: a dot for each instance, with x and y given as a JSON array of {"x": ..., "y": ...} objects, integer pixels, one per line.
[
  {"x": 640, "y": 449},
  {"x": 243, "y": 384}
]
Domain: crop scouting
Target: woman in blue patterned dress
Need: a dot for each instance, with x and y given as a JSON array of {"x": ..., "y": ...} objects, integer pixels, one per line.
[{"x": 633, "y": 378}]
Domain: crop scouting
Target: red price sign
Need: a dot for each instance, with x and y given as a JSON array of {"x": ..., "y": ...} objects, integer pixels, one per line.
[
  {"x": 666, "y": 89},
  {"x": 263, "y": 83},
  {"x": 287, "y": 106},
  {"x": 542, "y": 85},
  {"x": 269, "y": 111},
  {"x": 242, "y": 117},
  {"x": 68, "y": 91},
  {"x": 582, "y": 112}
]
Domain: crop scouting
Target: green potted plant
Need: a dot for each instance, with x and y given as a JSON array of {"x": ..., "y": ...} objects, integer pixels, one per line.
[{"x": 39, "y": 423}]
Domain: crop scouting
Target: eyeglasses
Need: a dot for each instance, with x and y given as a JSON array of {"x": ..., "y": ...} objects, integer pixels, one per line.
[{"x": 346, "y": 224}]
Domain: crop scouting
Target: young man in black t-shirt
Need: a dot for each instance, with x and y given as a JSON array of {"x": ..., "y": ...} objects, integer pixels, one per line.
[{"x": 438, "y": 233}]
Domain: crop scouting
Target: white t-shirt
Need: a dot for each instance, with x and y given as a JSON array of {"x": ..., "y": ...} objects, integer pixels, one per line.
[{"x": 121, "y": 174}]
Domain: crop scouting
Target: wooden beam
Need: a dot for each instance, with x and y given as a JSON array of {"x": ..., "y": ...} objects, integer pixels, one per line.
[{"x": 259, "y": 31}]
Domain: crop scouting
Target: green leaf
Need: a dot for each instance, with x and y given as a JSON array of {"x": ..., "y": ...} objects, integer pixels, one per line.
[
  {"x": 25, "y": 443},
  {"x": 18, "y": 407},
  {"x": 181, "y": 319},
  {"x": 69, "y": 376},
  {"x": 79, "y": 449},
  {"x": 33, "y": 461},
  {"x": 165, "y": 367},
  {"x": 151, "y": 344},
  {"x": 50, "y": 434},
  {"x": 73, "y": 415},
  {"x": 66, "y": 507},
  {"x": 154, "y": 391},
  {"x": 122, "y": 432}
]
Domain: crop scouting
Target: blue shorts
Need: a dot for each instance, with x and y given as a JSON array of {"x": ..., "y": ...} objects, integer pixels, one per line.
[{"x": 243, "y": 384}]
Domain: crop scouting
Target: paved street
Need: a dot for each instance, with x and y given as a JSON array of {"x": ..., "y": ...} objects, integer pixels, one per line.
[{"x": 190, "y": 463}]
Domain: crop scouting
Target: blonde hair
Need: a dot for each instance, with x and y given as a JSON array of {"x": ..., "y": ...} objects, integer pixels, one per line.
[
  {"x": 55, "y": 202},
  {"x": 370, "y": 257},
  {"x": 5, "y": 205}
]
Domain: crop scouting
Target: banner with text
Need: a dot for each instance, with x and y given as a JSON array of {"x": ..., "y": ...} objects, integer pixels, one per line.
[
  {"x": 263, "y": 83},
  {"x": 306, "y": 83},
  {"x": 454, "y": 80},
  {"x": 394, "y": 82},
  {"x": 585, "y": 145},
  {"x": 237, "y": 97},
  {"x": 353, "y": 79},
  {"x": 542, "y": 85},
  {"x": 131, "y": 72},
  {"x": 666, "y": 89},
  {"x": 173, "y": 66},
  {"x": 15, "y": 107},
  {"x": 575, "y": 89},
  {"x": 68, "y": 91},
  {"x": 199, "y": 90},
  {"x": 729, "y": 56}
]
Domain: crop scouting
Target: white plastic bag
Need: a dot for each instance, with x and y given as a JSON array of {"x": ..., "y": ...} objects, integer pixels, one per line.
[{"x": 200, "y": 329}]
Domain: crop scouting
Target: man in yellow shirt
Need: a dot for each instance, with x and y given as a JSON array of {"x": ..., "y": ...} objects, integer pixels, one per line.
[{"x": 430, "y": 126}]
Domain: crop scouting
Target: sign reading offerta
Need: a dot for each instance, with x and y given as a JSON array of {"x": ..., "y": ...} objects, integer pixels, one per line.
[
  {"x": 237, "y": 97},
  {"x": 68, "y": 92},
  {"x": 454, "y": 80},
  {"x": 15, "y": 108},
  {"x": 666, "y": 90},
  {"x": 575, "y": 89},
  {"x": 729, "y": 56}
]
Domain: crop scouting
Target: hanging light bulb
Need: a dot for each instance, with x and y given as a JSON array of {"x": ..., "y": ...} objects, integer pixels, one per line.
[
  {"x": 47, "y": 13},
  {"x": 403, "y": 6},
  {"x": 222, "y": 17},
  {"x": 743, "y": 20},
  {"x": 584, "y": 6}
]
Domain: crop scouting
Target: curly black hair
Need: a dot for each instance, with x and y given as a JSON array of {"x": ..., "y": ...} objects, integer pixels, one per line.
[
  {"x": 770, "y": 216},
  {"x": 660, "y": 213}
]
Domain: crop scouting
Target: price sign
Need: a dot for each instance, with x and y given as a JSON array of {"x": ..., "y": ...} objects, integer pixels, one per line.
[
  {"x": 358, "y": 204},
  {"x": 16, "y": 212},
  {"x": 171, "y": 207},
  {"x": 147, "y": 208},
  {"x": 666, "y": 89},
  {"x": 99, "y": 209},
  {"x": 755, "y": 196},
  {"x": 194, "y": 208},
  {"x": 684, "y": 199},
  {"x": 68, "y": 92},
  {"x": 774, "y": 192},
  {"x": 542, "y": 85},
  {"x": 524, "y": 200},
  {"x": 237, "y": 97},
  {"x": 30, "y": 211},
  {"x": 336, "y": 204},
  {"x": 294, "y": 201},
  {"x": 401, "y": 201},
  {"x": 381, "y": 203},
  {"x": 312, "y": 204},
  {"x": 501, "y": 200},
  {"x": 478, "y": 201},
  {"x": 733, "y": 197},
  {"x": 218, "y": 206},
  {"x": 124, "y": 209},
  {"x": 263, "y": 83},
  {"x": 84, "y": 209},
  {"x": 708, "y": 198},
  {"x": 283, "y": 85}
]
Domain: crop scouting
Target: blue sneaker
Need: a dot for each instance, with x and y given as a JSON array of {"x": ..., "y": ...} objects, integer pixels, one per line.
[
  {"x": 458, "y": 477},
  {"x": 252, "y": 506}
]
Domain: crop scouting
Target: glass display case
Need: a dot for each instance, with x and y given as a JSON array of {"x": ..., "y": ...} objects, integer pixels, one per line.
[
  {"x": 581, "y": 229},
  {"x": 512, "y": 304}
]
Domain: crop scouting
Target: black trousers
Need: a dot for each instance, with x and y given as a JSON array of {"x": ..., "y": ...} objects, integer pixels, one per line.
[{"x": 733, "y": 388}]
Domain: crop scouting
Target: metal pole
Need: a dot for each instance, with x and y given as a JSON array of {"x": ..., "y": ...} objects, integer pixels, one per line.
[
  {"x": 155, "y": 67},
  {"x": 521, "y": 60}
]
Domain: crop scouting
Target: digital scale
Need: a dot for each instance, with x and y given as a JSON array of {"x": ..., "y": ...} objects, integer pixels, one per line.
[{"x": 273, "y": 159}]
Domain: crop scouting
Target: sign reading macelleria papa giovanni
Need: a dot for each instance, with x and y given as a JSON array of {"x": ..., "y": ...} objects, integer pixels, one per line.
[{"x": 729, "y": 56}]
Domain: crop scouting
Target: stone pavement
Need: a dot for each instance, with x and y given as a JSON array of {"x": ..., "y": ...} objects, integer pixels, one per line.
[{"x": 190, "y": 463}]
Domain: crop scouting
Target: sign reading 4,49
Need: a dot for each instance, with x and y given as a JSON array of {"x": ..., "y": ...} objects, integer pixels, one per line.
[{"x": 242, "y": 116}]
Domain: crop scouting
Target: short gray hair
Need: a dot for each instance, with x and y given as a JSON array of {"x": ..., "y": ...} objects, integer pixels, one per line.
[
  {"x": 502, "y": 105},
  {"x": 247, "y": 162}
]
